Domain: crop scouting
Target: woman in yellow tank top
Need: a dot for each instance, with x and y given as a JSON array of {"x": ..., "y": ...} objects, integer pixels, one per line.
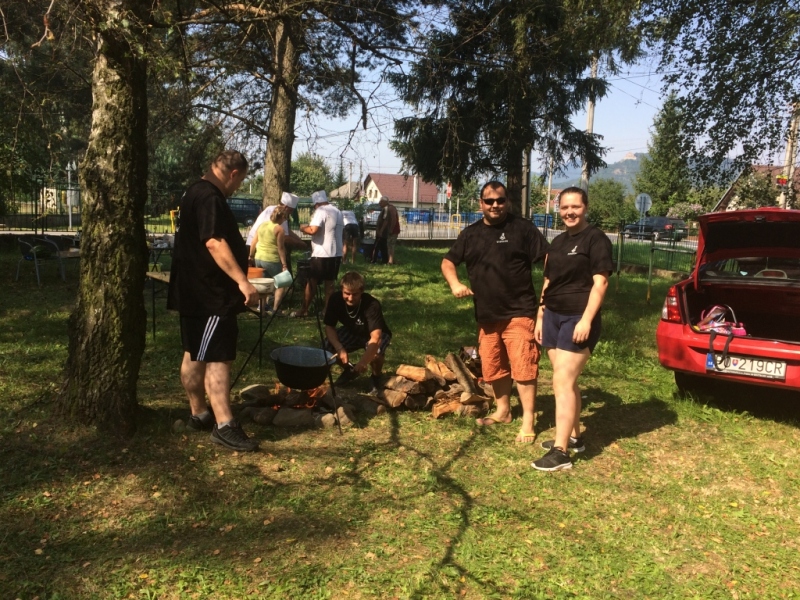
[{"x": 268, "y": 249}]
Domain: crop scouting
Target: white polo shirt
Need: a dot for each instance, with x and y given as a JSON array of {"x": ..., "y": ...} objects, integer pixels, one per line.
[{"x": 327, "y": 242}]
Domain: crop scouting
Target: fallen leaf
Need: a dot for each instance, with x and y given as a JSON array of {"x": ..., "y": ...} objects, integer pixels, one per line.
[
  {"x": 38, "y": 551},
  {"x": 257, "y": 560}
]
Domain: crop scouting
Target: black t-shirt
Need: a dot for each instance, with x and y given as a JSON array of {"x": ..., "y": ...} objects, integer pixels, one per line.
[
  {"x": 571, "y": 263},
  {"x": 197, "y": 286},
  {"x": 499, "y": 259},
  {"x": 368, "y": 316}
]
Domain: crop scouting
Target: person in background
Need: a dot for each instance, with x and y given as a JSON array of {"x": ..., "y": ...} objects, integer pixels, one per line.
[
  {"x": 326, "y": 228},
  {"x": 363, "y": 327},
  {"x": 268, "y": 251},
  {"x": 350, "y": 236},
  {"x": 575, "y": 281},
  {"x": 386, "y": 231},
  {"x": 292, "y": 241},
  {"x": 209, "y": 287},
  {"x": 499, "y": 251}
]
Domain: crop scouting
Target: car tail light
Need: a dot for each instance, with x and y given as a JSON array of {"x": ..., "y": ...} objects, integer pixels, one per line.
[
  {"x": 670, "y": 311},
  {"x": 669, "y": 227}
]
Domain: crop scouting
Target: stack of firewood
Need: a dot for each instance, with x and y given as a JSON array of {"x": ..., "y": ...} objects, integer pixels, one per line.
[{"x": 442, "y": 386}]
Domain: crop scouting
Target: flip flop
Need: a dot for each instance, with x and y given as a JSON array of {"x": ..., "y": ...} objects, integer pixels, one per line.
[
  {"x": 489, "y": 421},
  {"x": 525, "y": 438}
]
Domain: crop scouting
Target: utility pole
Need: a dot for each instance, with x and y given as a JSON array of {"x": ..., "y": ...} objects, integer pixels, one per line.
[
  {"x": 589, "y": 127},
  {"x": 549, "y": 187},
  {"x": 526, "y": 183},
  {"x": 791, "y": 151}
]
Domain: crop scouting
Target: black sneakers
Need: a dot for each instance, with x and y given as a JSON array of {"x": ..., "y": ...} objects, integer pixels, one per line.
[
  {"x": 201, "y": 423},
  {"x": 233, "y": 436},
  {"x": 575, "y": 444},
  {"x": 555, "y": 460}
]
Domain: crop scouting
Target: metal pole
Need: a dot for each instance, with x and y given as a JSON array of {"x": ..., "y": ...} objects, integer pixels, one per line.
[
  {"x": 589, "y": 127},
  {"x": 650, "y": 269}
]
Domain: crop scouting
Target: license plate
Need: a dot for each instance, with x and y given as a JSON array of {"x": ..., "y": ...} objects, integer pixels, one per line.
[{"x": 747, "y": 366}]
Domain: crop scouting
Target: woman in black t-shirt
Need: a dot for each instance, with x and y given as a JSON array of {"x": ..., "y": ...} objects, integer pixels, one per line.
[{"x": 568, "y": 325}]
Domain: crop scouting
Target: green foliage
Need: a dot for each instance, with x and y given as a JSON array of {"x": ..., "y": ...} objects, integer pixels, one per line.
[
  {"x": 506, "y": 74},
  {"x": 310, "y": 173},
  {"x": 608, "y": 206},
  {"x": 734, "y": 71},
  {"x": 755, "y": 190},
  {"x": 664, "y": 172}
]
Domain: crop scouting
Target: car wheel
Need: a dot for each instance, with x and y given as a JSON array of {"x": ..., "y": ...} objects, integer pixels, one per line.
[{"x": 688, "y": 384}]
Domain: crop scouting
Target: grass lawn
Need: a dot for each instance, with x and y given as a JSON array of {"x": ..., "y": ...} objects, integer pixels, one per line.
[{"x": 673, "y": 498}]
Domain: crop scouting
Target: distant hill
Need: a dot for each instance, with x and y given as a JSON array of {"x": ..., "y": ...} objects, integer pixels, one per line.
[{"x": 623, "y": 171}]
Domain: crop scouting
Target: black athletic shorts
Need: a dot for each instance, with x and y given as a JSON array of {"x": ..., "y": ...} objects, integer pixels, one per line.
[
  {"x": 325, "y": 269},
  {"x": 351, "y": 232},
  {"x": 210, "y": 339}
]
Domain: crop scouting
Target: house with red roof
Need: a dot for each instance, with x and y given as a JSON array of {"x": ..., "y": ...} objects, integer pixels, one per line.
[{"x": 400, "y": 190}]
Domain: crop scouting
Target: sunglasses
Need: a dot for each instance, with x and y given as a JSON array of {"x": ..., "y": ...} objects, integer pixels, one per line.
[{"x": 499, "y": 201}]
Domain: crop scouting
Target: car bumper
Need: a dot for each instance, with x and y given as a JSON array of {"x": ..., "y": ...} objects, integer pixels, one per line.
[{"x": 680, "y": 348}]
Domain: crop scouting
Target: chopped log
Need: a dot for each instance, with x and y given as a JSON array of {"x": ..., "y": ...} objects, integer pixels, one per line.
[
  {"x": 393, "y": 398},
  {"x": 455, "y": 388},
  {"x": 442, "y": 408},
  {"x": 419, "y": 374},
  {"x": 399, "y": 383},
  {"x": 412, "y": 373},
  {"x": 470, "y": 411},
  {"x": 293, "y": 417},
  {"x": 430, "y": 386},
  {"x": 463, "y": 375},
  {"x": 368, "y": 405},
  {"x": 470, "y": 398},
  {"x": 416, "y": 401},
  {"x": 264, "y": 416},
  {"x": 432, "y": 365},
  {"x": 446, "y": 372}
]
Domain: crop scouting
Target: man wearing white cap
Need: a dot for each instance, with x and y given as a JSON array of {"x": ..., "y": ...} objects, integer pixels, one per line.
[
  {"x": 325, "y": 229},
  {"x": 288, "y": 204}
]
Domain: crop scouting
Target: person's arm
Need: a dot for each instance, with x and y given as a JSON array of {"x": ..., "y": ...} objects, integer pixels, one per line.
[
  {"x": 221, "y": 253},
  {"x": 596, "y": 295},
  {"x": 309, "y": 229},
  {"x": 280, "y": 237},
  {"x": 254, "y": 242},
  {"x": 333, "y": 338},
  {"x": 373, "y": 345},
  {"x": 450, "y": 273},
  {"x": 537, "y": 330}
]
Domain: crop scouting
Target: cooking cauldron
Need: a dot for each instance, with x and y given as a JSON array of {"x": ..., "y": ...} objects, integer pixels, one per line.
[{"x": 300, "y": 367}]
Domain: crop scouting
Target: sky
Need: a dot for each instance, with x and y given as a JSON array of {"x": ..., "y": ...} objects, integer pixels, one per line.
[{"x": 624, "y": 118}]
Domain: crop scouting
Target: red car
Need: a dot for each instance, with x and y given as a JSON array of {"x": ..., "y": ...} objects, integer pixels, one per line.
[{"x": 748, "y": 260}]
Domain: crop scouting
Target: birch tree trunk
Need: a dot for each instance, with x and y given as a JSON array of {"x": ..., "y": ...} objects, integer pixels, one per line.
[{"x": 107, "y": 327}]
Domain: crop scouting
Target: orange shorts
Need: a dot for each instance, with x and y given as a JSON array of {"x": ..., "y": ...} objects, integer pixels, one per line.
[{"x": 508, "y": 348}]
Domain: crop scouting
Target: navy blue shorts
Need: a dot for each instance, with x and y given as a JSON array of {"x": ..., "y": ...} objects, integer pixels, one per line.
[
  {"x": 351, "y": 342},
  {"x": 557, "y": 331}
]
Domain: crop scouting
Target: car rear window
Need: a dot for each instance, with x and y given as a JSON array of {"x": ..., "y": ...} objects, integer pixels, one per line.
[{"x": 755, "y": 269}]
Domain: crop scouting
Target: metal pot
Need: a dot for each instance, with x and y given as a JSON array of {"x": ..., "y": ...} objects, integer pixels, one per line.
[{"x": 300, "y": 367}]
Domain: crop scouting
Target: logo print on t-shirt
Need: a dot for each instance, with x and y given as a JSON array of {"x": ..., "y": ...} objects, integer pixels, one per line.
[
  {"x": 502, "y": 239},
  {"x": 573, "y": 251}
]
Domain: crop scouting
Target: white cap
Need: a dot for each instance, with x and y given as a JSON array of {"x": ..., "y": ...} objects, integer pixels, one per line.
[
  {"x": 319, "y": 197},
  {"x": 289, "y": 200}
]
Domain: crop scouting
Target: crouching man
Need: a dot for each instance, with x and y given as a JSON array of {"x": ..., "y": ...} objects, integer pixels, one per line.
[{"x": 363, "y": 327}]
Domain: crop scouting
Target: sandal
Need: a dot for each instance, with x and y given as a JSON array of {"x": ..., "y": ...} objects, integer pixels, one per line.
[{"x": 525, "y": 438}]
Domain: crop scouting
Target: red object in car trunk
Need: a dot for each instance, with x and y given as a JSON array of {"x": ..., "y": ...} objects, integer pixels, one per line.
[{"x": 749, "y": 260}]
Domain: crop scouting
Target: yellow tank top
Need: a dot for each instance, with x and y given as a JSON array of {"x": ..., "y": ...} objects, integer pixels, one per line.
[{"x": 267, "y": 245}]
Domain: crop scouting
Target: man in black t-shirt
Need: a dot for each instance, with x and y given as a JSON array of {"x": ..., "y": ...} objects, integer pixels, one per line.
[
  {"x": 363, "y": 326},
  {"x": 209, "y": 287},
  {"x": 499, "y": 251}
]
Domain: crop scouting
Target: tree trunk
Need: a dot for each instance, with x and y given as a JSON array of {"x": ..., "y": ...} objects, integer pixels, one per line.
[
  {"x": 514, "y": 179},
  {"x": 107, "y": 327},
  {"x": 283, "y": 106}
]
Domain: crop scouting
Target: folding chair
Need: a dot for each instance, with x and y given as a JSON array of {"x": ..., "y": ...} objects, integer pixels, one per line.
[{"x": 38, "y": 250}]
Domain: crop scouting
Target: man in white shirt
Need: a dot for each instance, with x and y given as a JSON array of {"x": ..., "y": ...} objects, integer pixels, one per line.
[{"x": 326, "y": 228}]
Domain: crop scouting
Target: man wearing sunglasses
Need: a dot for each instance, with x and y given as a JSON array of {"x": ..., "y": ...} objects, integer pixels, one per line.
[{"x": 499, "y": 252}]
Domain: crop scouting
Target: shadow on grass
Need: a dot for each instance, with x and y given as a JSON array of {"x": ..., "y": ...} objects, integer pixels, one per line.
[
  {"x": 607, "y": 419},
  {"x": 781, "y": 406}
]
